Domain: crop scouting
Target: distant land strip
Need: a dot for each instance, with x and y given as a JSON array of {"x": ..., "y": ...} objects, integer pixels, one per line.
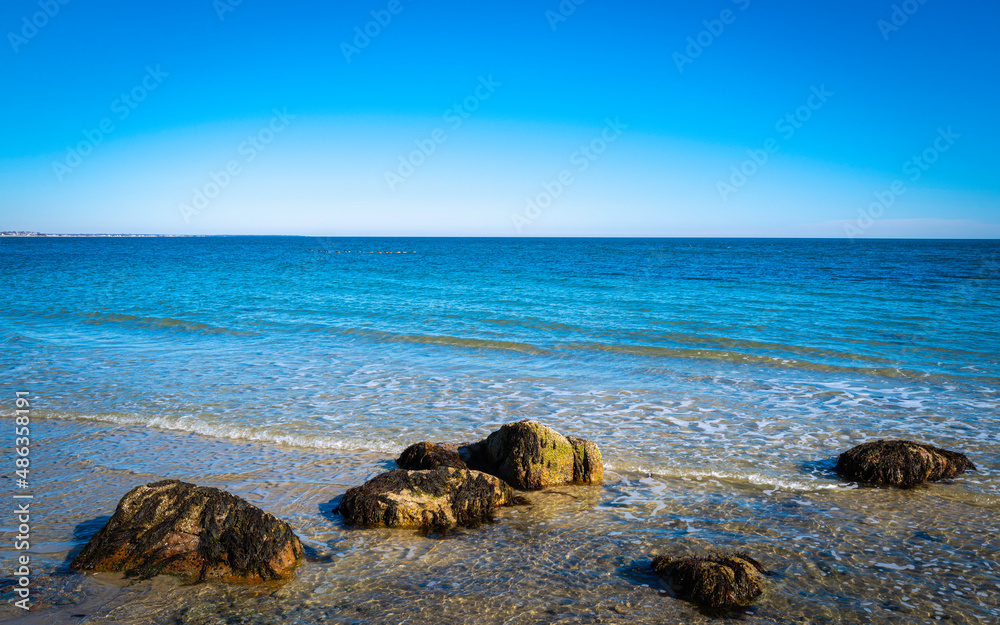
[{"x": 23, "y": 233}]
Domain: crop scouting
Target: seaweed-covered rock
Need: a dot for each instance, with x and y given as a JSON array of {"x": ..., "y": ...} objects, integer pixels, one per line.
[
  {"x": 901, "y": 463},
  {"x": 423, "y": 456},
  {"x": 716, "y": 582},
  {"x": 195, "y": 532},
  {"x": 588, "y": 466},
  {"x": 435, "y": 499},
  {"x": 532, "y": 456}
]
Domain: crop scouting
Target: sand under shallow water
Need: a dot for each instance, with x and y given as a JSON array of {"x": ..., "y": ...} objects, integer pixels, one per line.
[{"x": 575, "y": 555}]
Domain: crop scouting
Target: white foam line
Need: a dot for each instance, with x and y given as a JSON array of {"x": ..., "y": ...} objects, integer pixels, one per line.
[
  {"x": 756, "y": 479},
  {"x": 250, "y": 434}
]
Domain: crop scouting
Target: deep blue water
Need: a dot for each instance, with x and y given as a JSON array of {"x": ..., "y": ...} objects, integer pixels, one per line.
[{"x": 371, "y": 343}]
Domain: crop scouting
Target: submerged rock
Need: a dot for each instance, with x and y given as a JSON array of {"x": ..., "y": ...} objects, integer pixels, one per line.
[
  {"x": 901, "y": 463},
  {"x": 434, "y": 499},
  {"x": 715, "y": 582},
  {"x": 195, "y": 532},
  {"x": 423, "y": 456},
  {"x": 532, "y": 456}
]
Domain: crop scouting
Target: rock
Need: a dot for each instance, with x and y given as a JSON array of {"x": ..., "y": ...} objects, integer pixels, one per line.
[
  {"x": 588, "y": 466},
  {"x": 532, "y": 456},
  {"x": 901, "y": 463},
  {"x": 195, "y": 532},
  {"x": 422, "y": 456},
  {"x": 717, "y": 582},
  {"x": 434, "y": 499}
]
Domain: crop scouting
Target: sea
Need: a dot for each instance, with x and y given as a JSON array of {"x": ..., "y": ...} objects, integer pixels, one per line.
[{"x": 720, "y": 378}]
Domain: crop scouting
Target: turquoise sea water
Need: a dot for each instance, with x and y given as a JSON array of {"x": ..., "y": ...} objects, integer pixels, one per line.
[{"x": 720, "y": 377}]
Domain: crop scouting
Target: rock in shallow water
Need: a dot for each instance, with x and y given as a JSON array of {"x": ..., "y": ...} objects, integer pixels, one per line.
[
  {"x": 527, "y": 455},
  {"x": 194, "y": 532},
  {"x": 901, "y": 463},
  {"x": 423, "y": 456},
  {"x": 715, "y": 582},
  {"x": 532, "y": 456},
  {"x": 435, "y": 499}
]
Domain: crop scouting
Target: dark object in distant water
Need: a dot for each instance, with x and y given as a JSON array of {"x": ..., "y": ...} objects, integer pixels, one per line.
[
  {"x": 194, "y": 532},
  {"x": 901, "y": 463},
  {"x": 717, "y": 582},
  {"x": 423, "y": 456},
  {"x": 532, "y": 456},
  {"x": 436, "y": 499}
]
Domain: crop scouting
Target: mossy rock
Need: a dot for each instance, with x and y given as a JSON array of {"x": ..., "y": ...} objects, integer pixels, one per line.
[
  {"x": 423, "y": 456},
  {"x": 588, "y": 466},
  {"x": 901, "y": 463},
  {"x": 531, "y": 456},
  {"x": 193, "y": 532},
  {"x": 527, "y": 455},
  {"x": 435, "y": 499},
  {"x": 717, "y": 583}
]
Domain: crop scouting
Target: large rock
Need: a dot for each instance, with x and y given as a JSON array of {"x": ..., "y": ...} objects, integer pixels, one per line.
[
  {"x": 901, "y": 463},
  {"x": 715, "y": 582},
  {"x": 423, "y": 456},
  {"x": 532, "y": 456},
  {"x": 435, "y": 499},
  {"x": 195, "y": 532}
]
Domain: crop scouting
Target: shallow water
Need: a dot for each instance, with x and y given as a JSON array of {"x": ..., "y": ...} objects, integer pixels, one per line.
[{"x": 720, "y": 378}]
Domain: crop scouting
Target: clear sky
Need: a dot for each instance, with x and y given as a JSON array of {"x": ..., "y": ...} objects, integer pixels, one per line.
[{"x": 420, "y": 117}]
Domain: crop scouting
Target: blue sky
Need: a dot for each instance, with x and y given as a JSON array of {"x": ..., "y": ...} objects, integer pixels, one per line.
[{"x": 516, "y": 118}]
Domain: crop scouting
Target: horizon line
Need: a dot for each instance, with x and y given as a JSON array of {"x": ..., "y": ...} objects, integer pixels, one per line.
[{"x": 10, "y": 234}]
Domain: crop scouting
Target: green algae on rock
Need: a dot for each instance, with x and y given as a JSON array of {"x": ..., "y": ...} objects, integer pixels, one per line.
[
  {"x": 434, "y": 499},
  {"x": 527, "y": 455},
  {"x": 531, "y": 456},
  {"x": 197, "y": 533},
  {"x": 588, "y": 466},
  {"x": 901, "y": 463},
  {"x": 717, "y": 582}
]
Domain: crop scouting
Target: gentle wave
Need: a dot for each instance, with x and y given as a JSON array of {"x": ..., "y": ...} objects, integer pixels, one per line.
[
  {"x": 744, "y": 358},
  {"x": 742, "y": 344},
  {"x": 159, "y": 322},
  {"x": 755, "y": 479},
  {"x": 435, "y": 339},
  {"x": 229, "y": 431}
]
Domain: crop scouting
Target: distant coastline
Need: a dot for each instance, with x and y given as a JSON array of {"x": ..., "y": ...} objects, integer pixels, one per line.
[{"x": 23, "y": 233}]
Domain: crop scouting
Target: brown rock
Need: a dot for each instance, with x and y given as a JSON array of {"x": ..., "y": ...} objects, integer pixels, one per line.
[
  {"x": 423, "y": 456},
  {"x": 901, "y": 463},
  {"x": 532, "y": 456},
  {"x": 195, "y": 532},
  {"x": 435, "y": 499},
  {"x": 588, "y": 467},
  {"x": 718, "y": 582}
]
